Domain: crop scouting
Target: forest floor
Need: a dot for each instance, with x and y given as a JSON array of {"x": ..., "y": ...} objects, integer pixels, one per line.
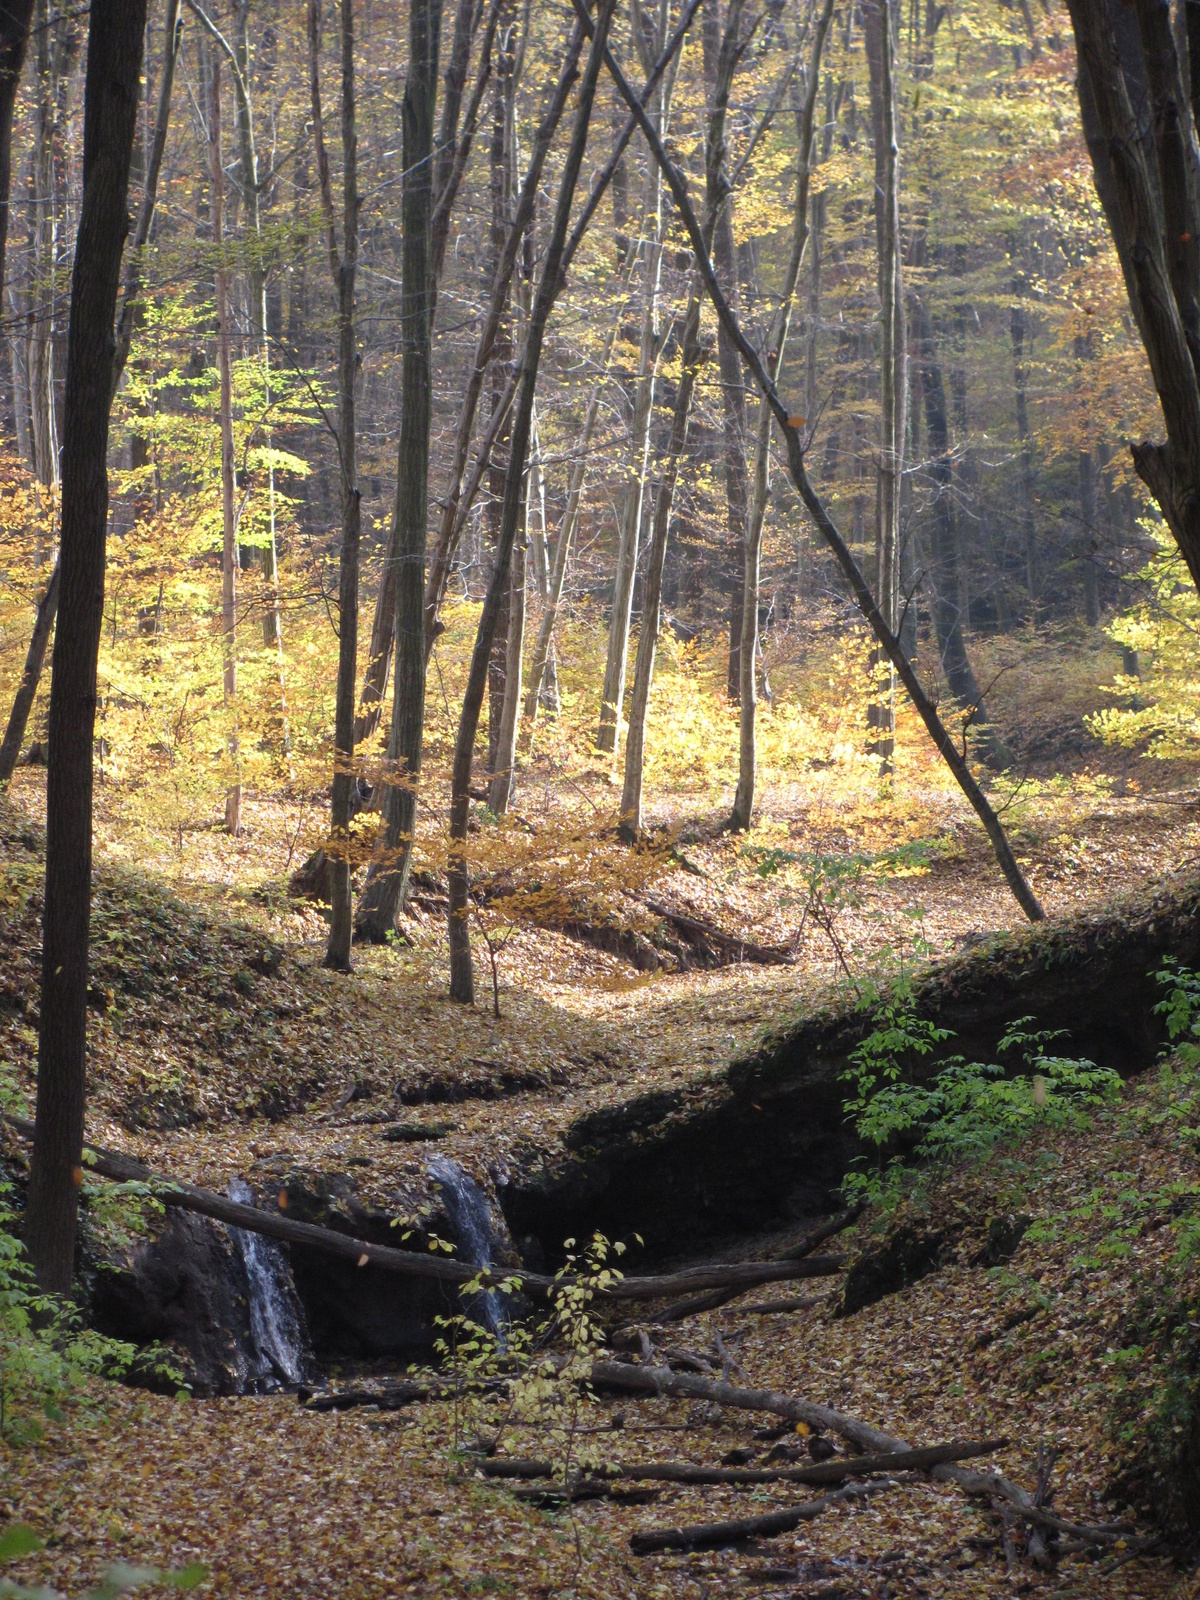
[{"x": 220, "y": 1046}]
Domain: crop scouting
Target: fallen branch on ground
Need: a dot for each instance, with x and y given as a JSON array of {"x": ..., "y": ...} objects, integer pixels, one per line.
[
  {"x": 719, "y": 1297},
  {"x": 123, "y": 1168},
  {"x": 732, "y": 946},
  {"x": 706, "y": 1535},
  {"x": 392, "y": 1396},
  {"x": 990, "y": 1485},
  {"x": 767, "y": 1308},
  {"x": 835, "y": 1471}
]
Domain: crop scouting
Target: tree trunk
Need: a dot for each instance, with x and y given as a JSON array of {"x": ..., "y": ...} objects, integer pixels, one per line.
[
  {"x": 504, "y": 767},
  {"x": 35, "y": 655},
  {"x": 1087, "y": 517},
  {"x": 385, "y": 891},
  {"x": 947, "y": 616},
  {"x": 721, "y": 55},
  {"x": 229, "y": 550},
  {"x": 14, "y": 39},
  {"x": 462, "y": 984},
  {"x": 879, "y": 34},
  {"x": 743, "y": 804},
  {"x": 643, "y": 673},
  {"x": 1019, "y": 334},
  {"x": 110, "y": 115},
  {"x": 343, "y": 265}
]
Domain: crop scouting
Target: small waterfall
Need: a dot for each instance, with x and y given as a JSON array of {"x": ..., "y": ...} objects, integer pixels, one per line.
[
  {"x": 475, "y": 1230},
  {"x": 277, "y": 1329}
]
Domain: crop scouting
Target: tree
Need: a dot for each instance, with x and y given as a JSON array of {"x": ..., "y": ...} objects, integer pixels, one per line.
[
  {"x": 115, "y": 35},
  {"x": 343, "y": 264},
  {"x": 385, "y": 892},
  {"x": 1140, "y": 107}
]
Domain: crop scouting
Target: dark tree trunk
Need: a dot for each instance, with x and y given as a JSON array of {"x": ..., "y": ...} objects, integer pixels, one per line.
[
  {"x": 35, "y": 655},
  {"x": 110, "y": 115},
  {"x": 947, "y": 616},
  {"x": 343, "y": 265},
  {"x": 384, "y": 894},
  {"x": 14, "y": 38},
  {"x": 462, "y": 982}
]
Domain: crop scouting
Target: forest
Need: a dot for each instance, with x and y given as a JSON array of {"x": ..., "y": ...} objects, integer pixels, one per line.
[{"x": 600, "y": 799}]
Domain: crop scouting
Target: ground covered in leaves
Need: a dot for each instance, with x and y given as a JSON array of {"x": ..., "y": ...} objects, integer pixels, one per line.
[
  {"x": 219, "y": 1046},
  {"x": 1065, "y": 1347}
]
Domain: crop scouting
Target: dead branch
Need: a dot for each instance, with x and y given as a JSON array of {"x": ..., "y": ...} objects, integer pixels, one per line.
[
  {"x": 732, "y": 946},
  {"x": 708, "y": 1534},
  {"x": 718, "y": 1297},
  {"x": 835, "y": 1471}
]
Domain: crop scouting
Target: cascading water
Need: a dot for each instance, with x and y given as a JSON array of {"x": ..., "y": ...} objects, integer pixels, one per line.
[
  {"x": 475, "y": 1230},
  {"x": 277, "y": 1327}
]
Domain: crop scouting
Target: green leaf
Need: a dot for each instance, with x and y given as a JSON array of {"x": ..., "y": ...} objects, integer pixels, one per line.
[{"x": 18, "y": 1541}]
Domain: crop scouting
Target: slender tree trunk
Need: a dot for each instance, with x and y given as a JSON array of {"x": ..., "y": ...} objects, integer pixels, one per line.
[
  {"x": 384, "y": 894},
  {"x": 612, "y": 699},
  {"x": 462, "y": 983},
  {"x": 743, "y": 804},
  {"x": 947, "y": 614},
  {"x": 643, "y": 672},
  {"x": 562, "y": 546},
  {"x": 110, "y": 116},
  {"x": 893, "y": 375},
  {"x": 504, "y": 769},
  {"x": 229, "y": 550},
  {"x": 14, "y": 40},
  {"x": 35, "y": 655},
  {"x": 721, "y": 54},
  {"x": 1019, "y": 334},
  {"x": 1087, "y": 514},
  {"x": 343, "y": 265}
]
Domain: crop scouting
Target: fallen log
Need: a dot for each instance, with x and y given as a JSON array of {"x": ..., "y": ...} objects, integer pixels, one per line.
[
  {"x": 707, "y": 1535},
  {"x": 835, "y": 1471},
  {"x": 719, "y": 1297},
  {"x": 393, "y": 1396},
  {"x": 123, "y": 1168},
  {"x": 991, "y": 1485}
]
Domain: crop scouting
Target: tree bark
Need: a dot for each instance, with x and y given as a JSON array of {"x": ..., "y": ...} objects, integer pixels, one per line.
[
  {"x": 229, "y": 550},
  {"x": 879, "y": 35},
  {"x": 947, "y": 617},
  {"x": 14, "y": 40},
  {"x": 462, "y": 985},
  {"x": 385, "y": 891},
  {"x": 343, "y": 265},
  {"x": 111, "y": 99},
  {"x": 743, "y": 803},
  {"x": 504, "y": 766}
]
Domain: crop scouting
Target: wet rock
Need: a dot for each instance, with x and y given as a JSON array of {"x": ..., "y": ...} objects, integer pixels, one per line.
[{"x": 185, "y": 1288}]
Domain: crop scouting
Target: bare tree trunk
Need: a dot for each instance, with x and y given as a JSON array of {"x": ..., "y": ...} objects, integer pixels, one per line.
[
  {"x": 110, "y": 115},
  {"x": 643, "y": 672},
  {"x": 1087, "y": 516},
  {"x": 462, "y": 982},
  {"x": 612, "y": 697},
  {"x": 743, "y": 804},
  {"x": 229, "y": 551},
  {"x": 721, "y": 55},
  {"x": 384, "y": 894},
  {"x": 504, "y": 769},
  {"x": 14, "y": 40},
  {"x": 893, "y": 376},
  {"x": 343, "y": 265},
  {"x": 562, "y": 546},
  {"x": 1019, "y": 333}
]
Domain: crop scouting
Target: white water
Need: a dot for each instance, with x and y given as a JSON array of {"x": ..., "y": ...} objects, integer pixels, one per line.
[
  {"x": 475, "y": 1230},
  {"x": 277, "y": 1330}
]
